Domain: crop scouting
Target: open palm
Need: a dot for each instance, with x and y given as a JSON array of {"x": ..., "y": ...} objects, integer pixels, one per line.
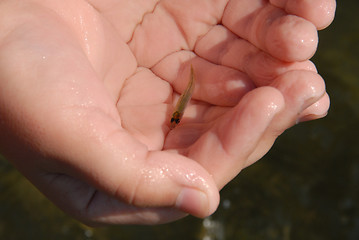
[{"x": 93, "y": 85}]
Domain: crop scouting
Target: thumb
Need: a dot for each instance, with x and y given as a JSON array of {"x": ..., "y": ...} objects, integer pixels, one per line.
[
  {"x": 169, "y": 179},
  {"x": 115, "y": 163}
]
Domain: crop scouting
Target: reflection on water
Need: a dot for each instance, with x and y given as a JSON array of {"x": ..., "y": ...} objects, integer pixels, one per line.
[{"x": 306, "y": 187}]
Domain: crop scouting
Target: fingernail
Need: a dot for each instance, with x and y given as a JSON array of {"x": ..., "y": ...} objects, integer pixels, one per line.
[{"x": 194, "y": 202}]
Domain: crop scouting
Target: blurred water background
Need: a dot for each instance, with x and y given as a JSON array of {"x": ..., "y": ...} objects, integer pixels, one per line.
[{"x": 306, "y": 187}]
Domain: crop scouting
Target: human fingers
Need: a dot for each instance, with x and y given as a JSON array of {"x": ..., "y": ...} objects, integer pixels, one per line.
[
  {"x": 320, "y": 13},
  {"x": 224, "y": 145},
  {"x": 222, "y": 47},
  {"x": 305, "y": 99},
  {"x": 260, "y": 117},
  {"x": 284, "y": 36}
]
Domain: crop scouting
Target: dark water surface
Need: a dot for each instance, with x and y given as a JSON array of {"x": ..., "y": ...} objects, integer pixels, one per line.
[{"x": 306, "y": 187}]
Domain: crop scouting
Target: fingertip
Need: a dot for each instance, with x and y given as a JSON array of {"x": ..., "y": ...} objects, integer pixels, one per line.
[
  {"x": 326, "y": 15},
  {"x": 317, "y": 110},
  {"x": 172, "y": 180},
  {"x": 197, "y": 203},
  {"x": 320, "y": 12},
  {"x": 291, "y": 38}
]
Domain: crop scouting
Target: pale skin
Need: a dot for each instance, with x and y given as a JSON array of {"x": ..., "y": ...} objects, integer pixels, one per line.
[{"x": 87, "y": 89}]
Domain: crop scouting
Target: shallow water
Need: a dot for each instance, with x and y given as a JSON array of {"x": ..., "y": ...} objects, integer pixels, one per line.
[{"x": 306, "y": 187}]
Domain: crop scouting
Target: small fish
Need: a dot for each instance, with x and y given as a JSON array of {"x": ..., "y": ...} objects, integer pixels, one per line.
[{"x": 182, "y": 101}]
